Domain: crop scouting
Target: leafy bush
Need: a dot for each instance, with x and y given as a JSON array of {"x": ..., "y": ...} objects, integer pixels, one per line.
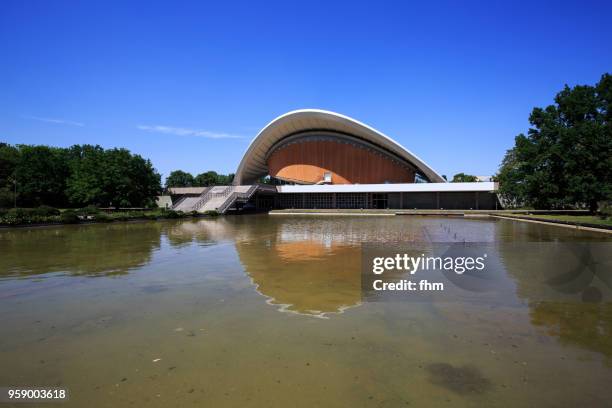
[
  {"x": 212, "y": 213},
  {"x": 604, "y": 209},
  {"x": 19, "y": 216},
  {"x": 46, "y": 214},
  {"x": 102, "y": 217},
  {"x": 45, "y": 210},
  {"x": 69, "y": 217},
  {"x": 120, "y": 216},
  {"x": 21, "y": 212},
  {"x": 89, "y": 210},
  {"x": 172, "y": 214},
  {"x": 11, "y": 217}
]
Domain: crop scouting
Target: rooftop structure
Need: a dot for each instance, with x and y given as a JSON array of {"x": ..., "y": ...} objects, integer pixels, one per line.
[{"x": 311, "y": 146}]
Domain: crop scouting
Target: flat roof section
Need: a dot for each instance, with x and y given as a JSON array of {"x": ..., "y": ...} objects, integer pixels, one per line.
[{"x": 389, "y": 188}]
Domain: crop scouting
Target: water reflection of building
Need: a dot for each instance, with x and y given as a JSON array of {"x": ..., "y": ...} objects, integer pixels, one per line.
[
  {"x": 301, "y": 270},
  {"x": 311, "y": 277},
  {"x": 313, "y": 266},
  {"x": 310, "y": 265}
]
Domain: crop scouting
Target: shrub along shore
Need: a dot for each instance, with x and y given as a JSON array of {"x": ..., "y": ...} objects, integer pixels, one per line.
[{"x": 45, "y": 215}]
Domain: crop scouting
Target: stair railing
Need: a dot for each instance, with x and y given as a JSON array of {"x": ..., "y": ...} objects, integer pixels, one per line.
[{"x": 235, "y": 196}]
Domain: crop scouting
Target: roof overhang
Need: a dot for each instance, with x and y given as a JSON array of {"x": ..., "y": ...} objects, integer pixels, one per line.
[
  {"x": 391, "y": 188},
  {"x": 253, "y": 164}
]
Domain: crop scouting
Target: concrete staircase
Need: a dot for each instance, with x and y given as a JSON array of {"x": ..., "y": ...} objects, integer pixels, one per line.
[
  {"x": 238, "y": 194},
  {"x": 186, "y": 204},
  {"x": 218, "y": 198}
]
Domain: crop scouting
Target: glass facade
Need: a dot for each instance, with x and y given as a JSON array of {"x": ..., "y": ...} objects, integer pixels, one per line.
[
  {"x": 324, "y": 200},
  {"x": 352, "y": 200},
  {"x": 419, "y": 200}
]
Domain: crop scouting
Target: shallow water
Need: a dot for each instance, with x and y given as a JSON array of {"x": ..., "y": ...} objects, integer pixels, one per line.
[{"x": 267, "y": 311}]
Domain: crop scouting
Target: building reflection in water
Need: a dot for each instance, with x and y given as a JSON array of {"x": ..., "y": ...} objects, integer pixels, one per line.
[
  {"x": 306, "y": 265},
  {"x": 313, "y": 276},
  {"x": 311, "y": 266}
]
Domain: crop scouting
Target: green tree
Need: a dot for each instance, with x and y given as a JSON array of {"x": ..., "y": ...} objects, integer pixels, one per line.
[
  {"x": 209, "y": 178},
  {"x": 179, "y": 178},
  {"x": 226, "y": 179},
  {"x": 265, "y": 180},
  {"x": 9, "y": 157},
  {"x": 464, "y": 178},
  {"x": 565, "y": 160},
  {"x": 131, "y": 180},
  {"x": 78, "y": 176},
  {"x": 212, "y": 178},
  {"x": 41, "y": 174},
  {"x": 87, "y": 180},
  {"x": 112, "y": 177}
]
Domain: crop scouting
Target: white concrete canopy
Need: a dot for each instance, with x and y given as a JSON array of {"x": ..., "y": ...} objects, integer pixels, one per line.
[
  {"x": 488, "y": 186},
  {"x": 253, "y": 164}
]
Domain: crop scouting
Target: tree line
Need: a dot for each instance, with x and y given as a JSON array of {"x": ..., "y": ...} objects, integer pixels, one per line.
[
  {"x": 464, "y": 178},
  {"x": 81, "y": 175},
  {"x": 564, "y": 161},
  {"x": 180, "y": 178}
]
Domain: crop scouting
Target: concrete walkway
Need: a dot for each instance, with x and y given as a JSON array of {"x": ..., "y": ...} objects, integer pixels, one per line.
[
  {"x": 514, "y": 215},
  {"x": 372, "y": 211}
]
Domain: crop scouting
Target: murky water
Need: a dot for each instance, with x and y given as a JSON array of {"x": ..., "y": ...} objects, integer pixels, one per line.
[{"x": 267, "y": 311}]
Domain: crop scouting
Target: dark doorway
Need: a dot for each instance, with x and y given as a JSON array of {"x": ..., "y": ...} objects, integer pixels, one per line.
[{"x": 379, "y": 201}]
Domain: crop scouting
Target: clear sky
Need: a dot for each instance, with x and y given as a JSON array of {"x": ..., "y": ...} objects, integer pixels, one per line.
[{"x": 189, "y": 84}]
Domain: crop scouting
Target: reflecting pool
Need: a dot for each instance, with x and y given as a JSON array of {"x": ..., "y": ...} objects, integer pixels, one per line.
[{"x": 264, "y": 310}]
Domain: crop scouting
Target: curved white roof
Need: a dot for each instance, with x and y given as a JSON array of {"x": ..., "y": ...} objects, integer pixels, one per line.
[{"x": 253, "y": 164}]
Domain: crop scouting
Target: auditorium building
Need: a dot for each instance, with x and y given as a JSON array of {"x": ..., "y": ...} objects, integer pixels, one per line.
[{"x": 318, "y": 159}]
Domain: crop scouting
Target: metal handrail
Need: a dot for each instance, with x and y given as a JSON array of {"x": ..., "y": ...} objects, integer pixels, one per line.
[
  {"x": 175, "y": 205},
  {"x": 235, "y": 195},
  {"x": 210, "y": 194},
  {"x": 228, "y": 191},
  {"x": 206, "y": 196}
]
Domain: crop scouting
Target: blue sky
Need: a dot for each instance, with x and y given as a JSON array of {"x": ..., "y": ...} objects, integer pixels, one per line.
[{"x": 189, "y": 84}]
